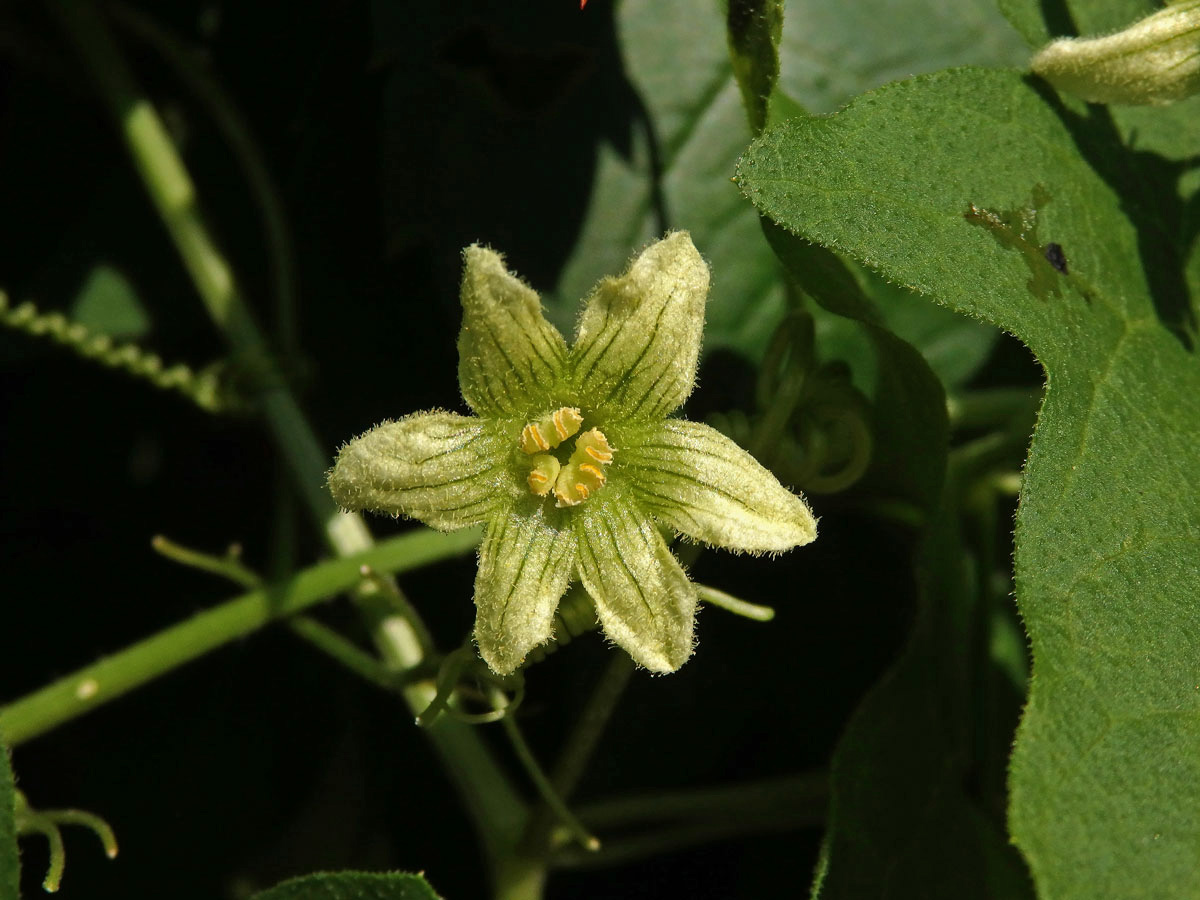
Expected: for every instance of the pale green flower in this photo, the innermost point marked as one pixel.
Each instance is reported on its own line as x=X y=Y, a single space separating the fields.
x=572 y=462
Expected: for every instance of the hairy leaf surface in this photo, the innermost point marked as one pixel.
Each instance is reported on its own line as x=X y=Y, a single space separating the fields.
x=351 y=886
x=991 y=196
x=675 y=174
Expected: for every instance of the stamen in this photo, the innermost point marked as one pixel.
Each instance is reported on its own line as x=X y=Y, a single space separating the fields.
x=566 y=422
x=550 y=431
x=532 y=440
x=544 y=474
x=581 y=476
x=593 y=471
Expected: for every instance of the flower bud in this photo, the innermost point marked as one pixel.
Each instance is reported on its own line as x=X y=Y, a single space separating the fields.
x=1155 y=60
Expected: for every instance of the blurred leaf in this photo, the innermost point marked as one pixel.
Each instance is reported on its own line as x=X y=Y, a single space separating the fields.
x=676 y=172
x=908 y=424
x=107 y=304
x=1038 y=21
x=351 y=886
x=834 y=51
x=956 y=185
x=10 y=863
x=901 y=822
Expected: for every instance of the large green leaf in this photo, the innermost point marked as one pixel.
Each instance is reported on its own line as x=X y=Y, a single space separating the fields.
x=902 y=822
x=978 y=189
x=10 y=864
x=676 y=171
x=351 y=886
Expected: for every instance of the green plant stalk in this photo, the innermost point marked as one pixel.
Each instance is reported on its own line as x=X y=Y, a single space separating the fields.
x=522 y=875
x=578 y=750
x=94 y=685
x=546 y=790
x=189 y=67
x=491 y=799
x=344 y=651
x=660 y=821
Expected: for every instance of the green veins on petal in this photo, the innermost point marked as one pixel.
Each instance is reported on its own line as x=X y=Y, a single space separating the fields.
x=705 y=486
x=644 y=599
x=510 y=358
x=638 y=341
x=443 y=469
x=572 y=462
x=525 y=564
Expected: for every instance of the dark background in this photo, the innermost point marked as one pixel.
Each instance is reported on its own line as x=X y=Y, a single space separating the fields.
x=397 y=133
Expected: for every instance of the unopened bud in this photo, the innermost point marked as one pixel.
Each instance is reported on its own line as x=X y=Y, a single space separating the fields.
x=1155 y=60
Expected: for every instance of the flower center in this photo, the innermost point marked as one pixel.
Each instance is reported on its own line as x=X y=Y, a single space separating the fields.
x=574 y=479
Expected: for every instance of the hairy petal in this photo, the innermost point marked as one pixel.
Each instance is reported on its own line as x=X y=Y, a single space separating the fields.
x=702 y=484
x=644 y=599
x=524 y=566
x=510 y=359
x=444 y=469
x=638 y=341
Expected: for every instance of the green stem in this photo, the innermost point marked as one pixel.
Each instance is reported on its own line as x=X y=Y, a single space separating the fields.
x=690 y=817
x=994 y=408
x=735 y=605
x=346 y=652
x=90 y=687
x=173 y=194
x=489 y=796
x=578 y=750
x=550 y=797
x=227 y=566
x=191 y=69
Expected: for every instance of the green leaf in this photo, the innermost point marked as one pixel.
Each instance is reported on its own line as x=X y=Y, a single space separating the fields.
x=108 y=304
x=956 y=185
x=832 y=52
x=675 y=172
x=10 y=863
x=902 y=822
x=351 y=886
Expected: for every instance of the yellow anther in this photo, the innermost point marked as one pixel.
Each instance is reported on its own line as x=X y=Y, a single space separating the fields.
x=550 y=431
x=532 y=440
x=543 y=474
x=592 y=446
x=595 y=472
x=566 y=422
x=583 y=473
